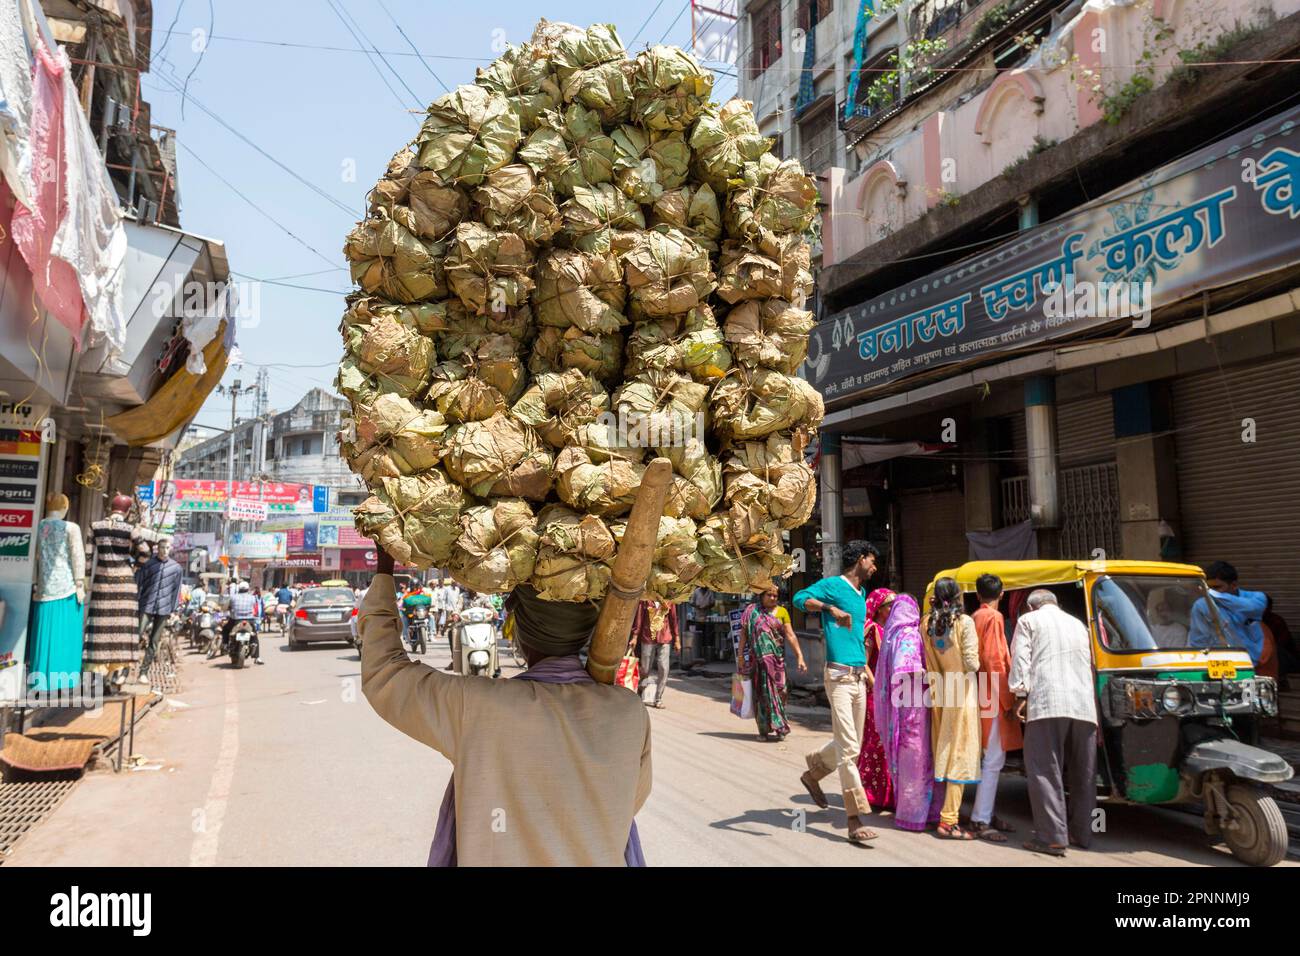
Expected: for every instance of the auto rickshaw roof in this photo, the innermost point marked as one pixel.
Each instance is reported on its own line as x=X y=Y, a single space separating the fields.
x=1024 y=574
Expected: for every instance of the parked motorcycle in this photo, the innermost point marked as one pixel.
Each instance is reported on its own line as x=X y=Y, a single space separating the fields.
x=243 y=643
x=209 y=630
x=474 y=642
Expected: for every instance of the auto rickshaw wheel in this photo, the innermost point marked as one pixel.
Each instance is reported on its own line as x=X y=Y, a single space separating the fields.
x=1257 y=833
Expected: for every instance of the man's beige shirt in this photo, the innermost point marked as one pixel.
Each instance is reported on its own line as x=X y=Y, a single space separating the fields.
x=545 y=774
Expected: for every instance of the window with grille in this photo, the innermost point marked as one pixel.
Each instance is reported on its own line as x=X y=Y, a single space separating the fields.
x=817 y=141
x=767 y=37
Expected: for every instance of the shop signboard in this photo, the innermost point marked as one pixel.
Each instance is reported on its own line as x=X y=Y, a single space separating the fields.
x=256 y=545
x=1218 y=216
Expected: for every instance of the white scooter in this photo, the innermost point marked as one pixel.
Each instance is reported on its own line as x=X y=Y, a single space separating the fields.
x=474 y=642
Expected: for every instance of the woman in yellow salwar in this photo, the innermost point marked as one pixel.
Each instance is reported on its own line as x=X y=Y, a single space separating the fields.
x=952 y=660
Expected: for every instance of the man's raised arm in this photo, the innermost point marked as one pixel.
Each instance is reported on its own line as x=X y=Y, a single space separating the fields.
x=413 y=697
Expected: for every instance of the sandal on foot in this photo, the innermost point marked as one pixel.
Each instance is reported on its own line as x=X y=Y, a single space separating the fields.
x=861 y=835
x=814 y=790
x=1047 y=849
x=1001 y=825
x=953 y=832
x=987 y=831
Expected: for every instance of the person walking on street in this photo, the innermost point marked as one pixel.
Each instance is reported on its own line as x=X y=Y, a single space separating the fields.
x=873 y=769
x=1051 y=671
x=841 y=602
x=952 y=660
x=159 y=582
x=655 y=627
x=999 y=728
x=525 y=752
x=765 y=629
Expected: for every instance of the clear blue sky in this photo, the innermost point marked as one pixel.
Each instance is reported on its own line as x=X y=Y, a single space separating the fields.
x=320 y=112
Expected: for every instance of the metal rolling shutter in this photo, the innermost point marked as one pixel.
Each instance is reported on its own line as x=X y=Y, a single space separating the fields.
x=933 y=536
x=1239 y=500
x=1085 y=431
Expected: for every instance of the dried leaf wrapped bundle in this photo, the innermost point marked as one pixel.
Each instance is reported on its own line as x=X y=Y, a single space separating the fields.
x=497 y=546
x=667 y=273
x=387 y=259
x=460 y=397
x=469 y=132
x=574 y=555
x=730 y=569
x=569 y=150
x=524 y=76
x=691 y=344
x=388 y=342
x=493 y=360
x=747 y=273
x=771 y=333
x=392 y=437
x=489 y=271
x=646 y=165
x=755 y=404
x=609 y=488
x=418 y=199
x=669 y=88
x=556 y=404
x=414 y=518
x=591 y=353
x=693 y=211
x=498 y=456
x=595 y=214
x=580 y=290
x=778 y=197
x=724 y=140
x=697 y=479
x=512 y=200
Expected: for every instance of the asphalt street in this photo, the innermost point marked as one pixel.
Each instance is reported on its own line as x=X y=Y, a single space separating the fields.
x=286 y=764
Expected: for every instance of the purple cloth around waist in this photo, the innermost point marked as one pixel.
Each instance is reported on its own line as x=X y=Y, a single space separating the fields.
x=549 y=670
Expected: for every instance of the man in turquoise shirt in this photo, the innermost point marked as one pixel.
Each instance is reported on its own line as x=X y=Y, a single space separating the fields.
x=842 y=603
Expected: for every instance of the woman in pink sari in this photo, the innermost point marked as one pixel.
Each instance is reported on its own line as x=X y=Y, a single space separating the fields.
x=871 y=759
x=902 y=718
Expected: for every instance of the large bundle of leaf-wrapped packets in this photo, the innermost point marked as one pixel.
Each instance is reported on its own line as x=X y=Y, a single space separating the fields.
x=582 y=263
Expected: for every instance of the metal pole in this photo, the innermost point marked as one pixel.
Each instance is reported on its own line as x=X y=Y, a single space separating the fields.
x=832 y=505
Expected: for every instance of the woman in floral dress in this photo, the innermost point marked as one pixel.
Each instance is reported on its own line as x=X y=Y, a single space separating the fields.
x=764 y=629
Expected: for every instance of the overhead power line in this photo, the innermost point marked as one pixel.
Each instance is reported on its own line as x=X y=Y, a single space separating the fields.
x=444 y=86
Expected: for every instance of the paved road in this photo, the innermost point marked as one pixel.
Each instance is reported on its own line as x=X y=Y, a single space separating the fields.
x=286 y=764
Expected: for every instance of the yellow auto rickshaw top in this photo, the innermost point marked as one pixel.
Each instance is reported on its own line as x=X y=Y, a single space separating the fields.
x=1023 y=574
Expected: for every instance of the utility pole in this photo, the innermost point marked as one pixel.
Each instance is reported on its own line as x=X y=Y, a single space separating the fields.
x=234 y=392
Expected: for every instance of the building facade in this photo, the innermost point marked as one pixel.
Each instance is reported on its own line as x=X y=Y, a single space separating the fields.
x=1059 y=284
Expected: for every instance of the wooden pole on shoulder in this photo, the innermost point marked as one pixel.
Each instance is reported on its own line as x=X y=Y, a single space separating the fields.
x=631 y=571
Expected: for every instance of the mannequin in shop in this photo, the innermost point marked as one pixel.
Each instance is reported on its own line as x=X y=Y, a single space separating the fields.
x=58 y=601
x=112 y=617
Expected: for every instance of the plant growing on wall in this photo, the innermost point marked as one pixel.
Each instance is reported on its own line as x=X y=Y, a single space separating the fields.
x=912 y=60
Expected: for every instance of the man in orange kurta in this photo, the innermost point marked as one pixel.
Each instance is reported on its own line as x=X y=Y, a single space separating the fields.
x=999 y=726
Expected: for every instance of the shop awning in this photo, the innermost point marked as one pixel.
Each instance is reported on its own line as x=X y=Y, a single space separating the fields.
x=176 y=402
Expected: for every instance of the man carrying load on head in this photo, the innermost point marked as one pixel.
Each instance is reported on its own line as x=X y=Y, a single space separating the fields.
x=549 y=768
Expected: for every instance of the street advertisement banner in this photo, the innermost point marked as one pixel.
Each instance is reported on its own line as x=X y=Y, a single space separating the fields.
x=195 y=494
x=189 y=540
x=22 y=464
x=1220 y=215
x=256 y=545
x=242 y=509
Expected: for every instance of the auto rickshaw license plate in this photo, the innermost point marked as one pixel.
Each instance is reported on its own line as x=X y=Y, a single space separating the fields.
x=1219 y=670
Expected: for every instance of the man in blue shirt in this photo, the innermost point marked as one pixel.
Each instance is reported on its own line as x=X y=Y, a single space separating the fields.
x=1240 y=612
x=842 y=603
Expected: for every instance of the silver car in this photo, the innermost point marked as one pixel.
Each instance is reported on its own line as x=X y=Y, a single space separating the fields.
x=322 y=615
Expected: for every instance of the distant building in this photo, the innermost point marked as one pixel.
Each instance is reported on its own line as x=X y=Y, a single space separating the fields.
x=297 y=445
